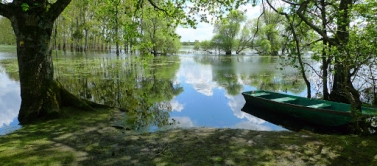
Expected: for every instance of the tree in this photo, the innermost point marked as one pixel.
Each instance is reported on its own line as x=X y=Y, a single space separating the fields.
x=111 y=12
x=32 y=22
x=158 y=31
x=205 y=45
x=196 y=45
x=267 y=29
x=245 y=38
x=345 y=47
x=295 y=36
x=343 y=89
x=161 y=37
x=227 y=30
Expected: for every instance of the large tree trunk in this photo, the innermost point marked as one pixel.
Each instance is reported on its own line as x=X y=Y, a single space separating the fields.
x=343 y=90
x=338 y=89
x=325 y=61
x=41 y=95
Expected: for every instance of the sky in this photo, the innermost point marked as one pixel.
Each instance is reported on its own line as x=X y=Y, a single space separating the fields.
x=204 y=31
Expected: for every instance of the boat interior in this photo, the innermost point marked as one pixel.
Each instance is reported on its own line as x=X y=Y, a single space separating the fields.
x=307 y=102
x=284 y=98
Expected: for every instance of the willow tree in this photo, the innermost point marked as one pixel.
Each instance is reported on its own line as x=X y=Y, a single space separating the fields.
x=267 y=32
x=227 y=30
x=157 y=33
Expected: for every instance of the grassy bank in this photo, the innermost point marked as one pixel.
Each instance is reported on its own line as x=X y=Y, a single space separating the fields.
x=88 y=139
x=8 y=48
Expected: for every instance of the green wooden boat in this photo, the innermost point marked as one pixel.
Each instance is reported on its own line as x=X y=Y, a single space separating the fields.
x=319 y=112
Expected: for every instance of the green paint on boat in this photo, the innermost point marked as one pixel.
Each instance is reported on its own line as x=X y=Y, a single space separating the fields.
x=316 y=111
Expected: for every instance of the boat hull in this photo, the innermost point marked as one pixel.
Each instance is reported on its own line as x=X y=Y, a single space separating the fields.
x=315 y=111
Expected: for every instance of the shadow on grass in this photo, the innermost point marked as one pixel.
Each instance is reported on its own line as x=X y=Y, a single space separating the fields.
x=89 y=139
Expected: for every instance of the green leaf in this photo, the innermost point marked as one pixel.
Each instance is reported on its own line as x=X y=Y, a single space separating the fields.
x=25 y=7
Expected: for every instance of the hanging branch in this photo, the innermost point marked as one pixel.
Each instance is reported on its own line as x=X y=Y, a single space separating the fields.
x=297 y=45
x=315 y=71
x=255 y=34
x=6 y=9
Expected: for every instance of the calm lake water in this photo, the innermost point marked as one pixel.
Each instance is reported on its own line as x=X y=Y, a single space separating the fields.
x=189 y=90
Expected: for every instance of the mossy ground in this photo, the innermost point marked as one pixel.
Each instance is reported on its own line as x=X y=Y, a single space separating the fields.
x=87 y=138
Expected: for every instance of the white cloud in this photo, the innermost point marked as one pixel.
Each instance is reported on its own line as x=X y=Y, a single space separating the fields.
x=176 y=106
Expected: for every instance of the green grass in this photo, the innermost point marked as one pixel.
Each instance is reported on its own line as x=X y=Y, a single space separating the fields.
x=8 y=48
x=87 y=138
x=44 y=143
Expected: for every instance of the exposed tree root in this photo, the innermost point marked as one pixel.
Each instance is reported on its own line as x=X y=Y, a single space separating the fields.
x=51 y=102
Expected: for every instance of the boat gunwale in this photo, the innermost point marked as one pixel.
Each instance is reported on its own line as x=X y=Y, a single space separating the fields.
x=322 y=110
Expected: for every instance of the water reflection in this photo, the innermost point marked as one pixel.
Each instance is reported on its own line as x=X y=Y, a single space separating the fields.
x=291 y=123
x=199 y=76
x=9 y=103
x=176 y=91
x=144 y=91
x=176 y=106
x=236 y=103
x=233 y=72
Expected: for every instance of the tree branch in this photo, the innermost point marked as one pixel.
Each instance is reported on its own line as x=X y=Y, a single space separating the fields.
x=311 y=25
x=291 y=3
x=6 y=9
x=155 y=6
x=274 y=9
x=308 y=44
x=57 y=8
x=314 y=70
x=255 y=34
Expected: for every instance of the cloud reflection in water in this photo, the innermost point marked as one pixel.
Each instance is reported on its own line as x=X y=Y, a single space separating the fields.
x=10 y=101
x=197 y=75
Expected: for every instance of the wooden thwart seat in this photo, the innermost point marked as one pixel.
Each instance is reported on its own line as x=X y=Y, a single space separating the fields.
x=259 y=94
x=284 y=99
x=321 y=105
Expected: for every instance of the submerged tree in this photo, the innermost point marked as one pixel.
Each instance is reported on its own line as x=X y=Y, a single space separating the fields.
x=267 y=29
x=157 y=33
x=227 y=30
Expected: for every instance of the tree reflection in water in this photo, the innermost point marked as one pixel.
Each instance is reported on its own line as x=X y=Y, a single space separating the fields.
x=142 y=86
x=229 y=73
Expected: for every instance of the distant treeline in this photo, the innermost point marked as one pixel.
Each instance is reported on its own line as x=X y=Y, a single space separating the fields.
x=104 y=25
x=188 y=43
